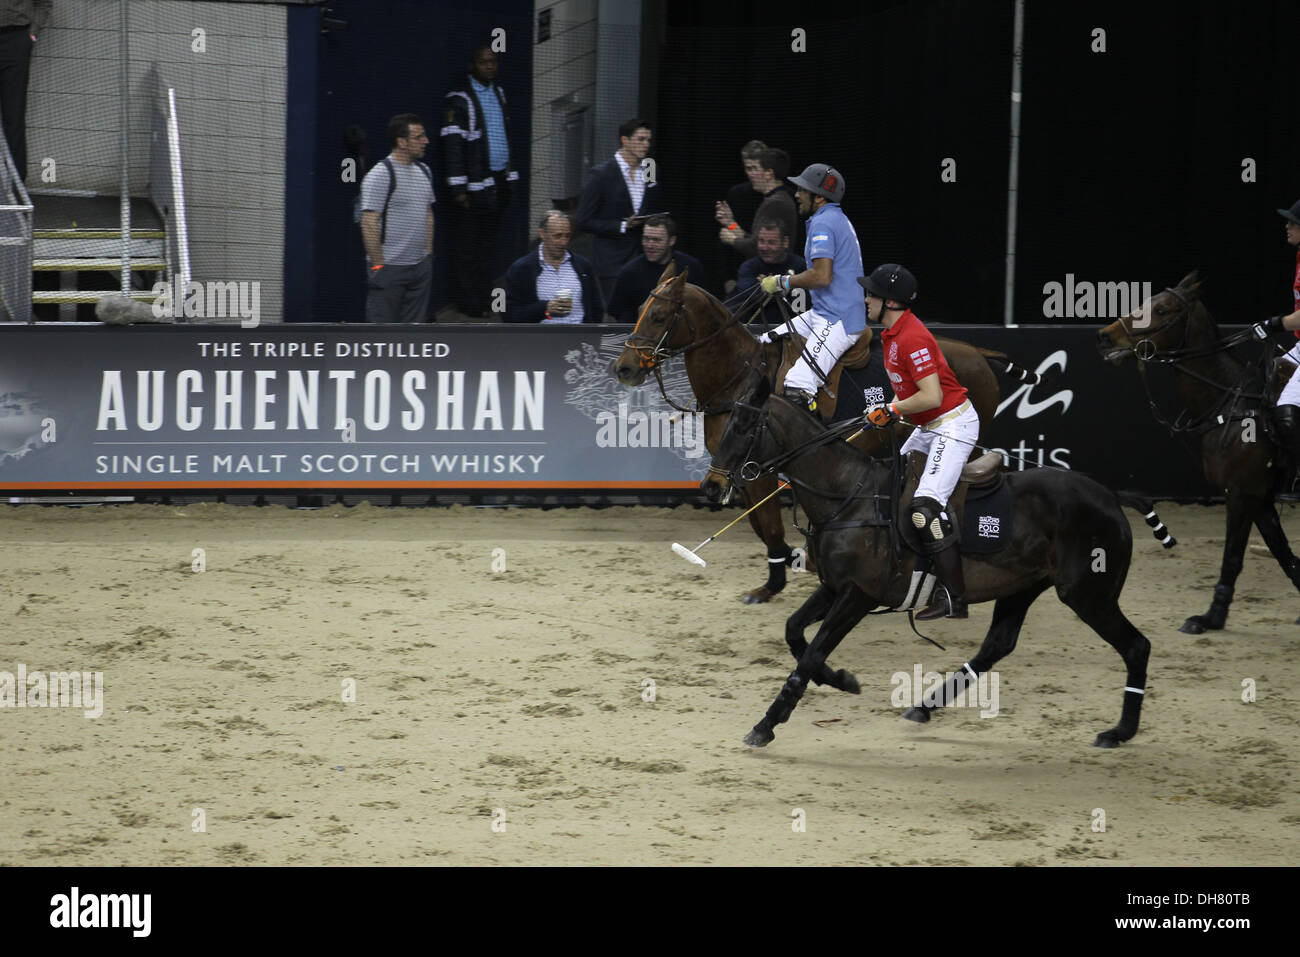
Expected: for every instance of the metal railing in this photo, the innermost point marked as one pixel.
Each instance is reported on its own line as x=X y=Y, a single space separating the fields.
x=15 y=242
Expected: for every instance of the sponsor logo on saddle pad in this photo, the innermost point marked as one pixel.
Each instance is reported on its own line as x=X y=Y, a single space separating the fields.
x=989 y=526
x=873 y=395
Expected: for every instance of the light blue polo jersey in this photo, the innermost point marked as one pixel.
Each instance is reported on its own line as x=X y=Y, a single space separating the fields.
x=831 y=236
x=495 y=124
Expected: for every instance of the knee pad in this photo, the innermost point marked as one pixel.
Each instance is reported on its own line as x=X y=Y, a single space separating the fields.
x=932 y=525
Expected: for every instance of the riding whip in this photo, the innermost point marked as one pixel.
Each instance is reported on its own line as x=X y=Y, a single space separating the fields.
x=689 y=553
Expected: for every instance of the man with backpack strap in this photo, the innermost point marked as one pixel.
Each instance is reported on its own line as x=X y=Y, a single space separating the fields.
x=397 y=227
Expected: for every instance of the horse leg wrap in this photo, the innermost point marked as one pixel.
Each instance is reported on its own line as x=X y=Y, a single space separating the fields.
x=952 y=688
x=785 y=702
x=1222 y=599
x=1132 y=712
x=777 y=559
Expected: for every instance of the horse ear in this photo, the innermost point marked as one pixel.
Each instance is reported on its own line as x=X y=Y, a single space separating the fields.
x=1191 y=283
x=761 y=391
x=669 y=271
x=684 y=274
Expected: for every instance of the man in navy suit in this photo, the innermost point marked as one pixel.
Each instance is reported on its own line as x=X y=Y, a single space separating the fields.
x=617 y=200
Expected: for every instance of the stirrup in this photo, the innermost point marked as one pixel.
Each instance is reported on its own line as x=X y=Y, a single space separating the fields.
x=801 y=398
x=943 y=605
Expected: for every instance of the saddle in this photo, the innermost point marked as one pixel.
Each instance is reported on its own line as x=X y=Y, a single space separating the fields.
x=857 y=357
x=987 y=527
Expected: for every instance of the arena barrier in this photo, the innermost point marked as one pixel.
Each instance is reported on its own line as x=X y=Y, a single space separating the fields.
x=408 y=409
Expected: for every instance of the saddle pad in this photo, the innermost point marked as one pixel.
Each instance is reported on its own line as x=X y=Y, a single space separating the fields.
x=986 y=519
x=863 y=387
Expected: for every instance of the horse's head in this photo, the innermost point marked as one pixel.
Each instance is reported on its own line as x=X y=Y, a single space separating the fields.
x=745 y=441
x=1158 y=325
x=660 y=330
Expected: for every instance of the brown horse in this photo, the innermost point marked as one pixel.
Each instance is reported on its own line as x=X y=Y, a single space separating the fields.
x=1223 y=412
x=722 y=361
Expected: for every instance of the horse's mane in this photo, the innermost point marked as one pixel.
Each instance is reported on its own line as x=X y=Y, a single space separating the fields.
x=798 y=416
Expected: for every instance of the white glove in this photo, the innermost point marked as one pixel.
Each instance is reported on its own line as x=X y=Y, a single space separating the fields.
x=765 y=338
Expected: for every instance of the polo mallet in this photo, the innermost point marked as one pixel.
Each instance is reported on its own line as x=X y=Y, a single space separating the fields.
x=689 y=553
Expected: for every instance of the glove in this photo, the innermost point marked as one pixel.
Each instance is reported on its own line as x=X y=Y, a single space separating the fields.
x=765 y=338
x=882 y=415
x=774 y=284
x=1266 y=328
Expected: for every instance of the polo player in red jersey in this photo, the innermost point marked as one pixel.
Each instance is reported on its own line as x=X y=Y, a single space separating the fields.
x=928 y=394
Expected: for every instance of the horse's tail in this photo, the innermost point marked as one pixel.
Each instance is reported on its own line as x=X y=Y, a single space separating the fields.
x=1002 y=362
x=1158 y=530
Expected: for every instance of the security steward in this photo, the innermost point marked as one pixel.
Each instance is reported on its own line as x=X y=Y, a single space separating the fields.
x=928 y=394
x=837 y=317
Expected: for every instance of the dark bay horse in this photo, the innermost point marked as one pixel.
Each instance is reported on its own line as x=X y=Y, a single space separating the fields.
x=722 y=358
x=1223 y=413
x=1068 y=531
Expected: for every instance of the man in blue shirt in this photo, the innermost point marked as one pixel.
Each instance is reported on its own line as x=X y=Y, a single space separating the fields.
x=838 y=314
x=480 y=174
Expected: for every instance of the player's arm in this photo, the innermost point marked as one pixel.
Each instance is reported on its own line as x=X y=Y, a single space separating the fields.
x=818 y=277
x=928 y=395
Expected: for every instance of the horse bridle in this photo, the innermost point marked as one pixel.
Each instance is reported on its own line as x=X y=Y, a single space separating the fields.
x=650 y=354
x=1146 y=350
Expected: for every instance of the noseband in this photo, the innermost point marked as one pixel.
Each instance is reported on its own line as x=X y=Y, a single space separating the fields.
x=649 y=353
x=1145 y=348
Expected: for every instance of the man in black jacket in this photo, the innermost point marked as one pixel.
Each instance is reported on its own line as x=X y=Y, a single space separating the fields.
x=553 y=285
x=638 y=278
x=480 y=173
x=617 y=200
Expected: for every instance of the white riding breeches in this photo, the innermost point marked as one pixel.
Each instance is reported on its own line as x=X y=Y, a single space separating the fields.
x=825 y=341
x=947 y=444
x=1291 y=391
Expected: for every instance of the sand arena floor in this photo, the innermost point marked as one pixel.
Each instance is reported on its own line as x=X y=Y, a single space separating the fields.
x=516 y=697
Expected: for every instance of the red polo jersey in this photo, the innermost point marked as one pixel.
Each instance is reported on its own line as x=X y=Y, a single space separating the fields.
x=1295 y=289
x=911 y=354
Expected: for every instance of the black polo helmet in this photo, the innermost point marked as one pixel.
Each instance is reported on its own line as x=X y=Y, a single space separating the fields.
x=1292 y=215
x=890 y=281
x=821 y=179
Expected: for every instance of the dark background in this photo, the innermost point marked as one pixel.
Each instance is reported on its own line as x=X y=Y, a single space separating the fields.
x=1130 y=160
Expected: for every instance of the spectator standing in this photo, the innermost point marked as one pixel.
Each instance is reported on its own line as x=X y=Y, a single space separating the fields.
x=536 y=284
x=774 y=259
x=397 y=226
x=638 y=278
x=21 y=22
x=477 y=162
x=743 y=199
x=778 y=204
x=617 y=200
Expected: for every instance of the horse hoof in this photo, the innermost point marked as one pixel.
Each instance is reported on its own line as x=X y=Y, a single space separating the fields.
x=1107 y=739
x=759 y=737
x=1193 y=626
x=847 y=681
x=757 y=597
x=919 y=715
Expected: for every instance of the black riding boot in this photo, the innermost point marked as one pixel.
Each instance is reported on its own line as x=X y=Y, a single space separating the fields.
x=802 y=399
x=1286 y=420
x=950 y=600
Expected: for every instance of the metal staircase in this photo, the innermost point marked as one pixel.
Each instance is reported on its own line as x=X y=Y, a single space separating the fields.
x=77 y=239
